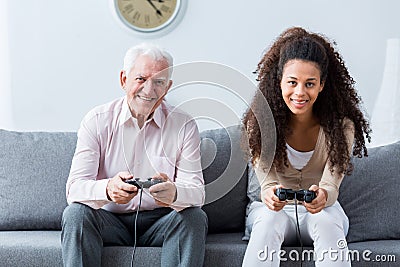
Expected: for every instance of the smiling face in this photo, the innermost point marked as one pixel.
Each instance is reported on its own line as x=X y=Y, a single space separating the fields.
x=301 y=83
x=146 y=85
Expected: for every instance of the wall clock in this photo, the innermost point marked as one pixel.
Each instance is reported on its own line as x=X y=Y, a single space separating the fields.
x=149 y=17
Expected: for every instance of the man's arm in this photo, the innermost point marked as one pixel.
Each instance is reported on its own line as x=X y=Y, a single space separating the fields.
x=188 y=181
x=82 y=185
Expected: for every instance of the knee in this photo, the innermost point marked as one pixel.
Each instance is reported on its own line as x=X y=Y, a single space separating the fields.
x=193 y=218
x=269 y=223
x=268 y=227
x=75 y=213
x=267 y=218
x=323 y=222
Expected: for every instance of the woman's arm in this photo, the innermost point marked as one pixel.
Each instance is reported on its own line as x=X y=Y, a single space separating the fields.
x=331 y=181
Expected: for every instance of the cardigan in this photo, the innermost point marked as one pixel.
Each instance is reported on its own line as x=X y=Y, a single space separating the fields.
x=316 y=171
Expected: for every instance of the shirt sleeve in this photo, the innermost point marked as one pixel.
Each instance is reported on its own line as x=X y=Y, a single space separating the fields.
x=331 y=181
x=189 y=180
x=82 y=184
x=266 y=180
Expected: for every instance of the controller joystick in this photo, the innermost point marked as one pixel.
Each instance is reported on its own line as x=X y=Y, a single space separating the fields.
x=301 y=195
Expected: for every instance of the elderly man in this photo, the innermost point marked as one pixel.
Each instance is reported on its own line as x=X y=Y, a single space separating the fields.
x=136 y=136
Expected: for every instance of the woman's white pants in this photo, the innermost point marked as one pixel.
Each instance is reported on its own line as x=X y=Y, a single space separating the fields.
x=325 y=230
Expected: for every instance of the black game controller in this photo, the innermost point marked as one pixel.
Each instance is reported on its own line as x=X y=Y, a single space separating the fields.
x=301 y=195
x=143 y=184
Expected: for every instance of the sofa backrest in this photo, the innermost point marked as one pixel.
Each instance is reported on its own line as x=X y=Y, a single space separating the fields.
x=34 y=167
x=370 y=195
x=225 y=175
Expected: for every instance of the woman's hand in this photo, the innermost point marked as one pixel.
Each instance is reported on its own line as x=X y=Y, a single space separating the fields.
x=272 y=201
x=319 y=202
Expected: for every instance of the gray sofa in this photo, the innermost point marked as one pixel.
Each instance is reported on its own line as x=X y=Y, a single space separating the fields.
x=34 y=167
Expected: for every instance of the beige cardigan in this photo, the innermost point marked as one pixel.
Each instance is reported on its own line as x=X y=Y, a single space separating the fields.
x=315 y=172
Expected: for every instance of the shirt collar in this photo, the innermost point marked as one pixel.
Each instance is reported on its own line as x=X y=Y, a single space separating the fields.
x=125 y=112
x=158 y=115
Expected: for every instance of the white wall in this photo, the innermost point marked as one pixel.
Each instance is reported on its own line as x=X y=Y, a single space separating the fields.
x=6 y=120
x=65 y=56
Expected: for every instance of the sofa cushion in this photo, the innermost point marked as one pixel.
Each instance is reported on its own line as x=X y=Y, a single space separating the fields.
x=225 y=175
x=34 y=168
x=30 y=248
x=370 y=195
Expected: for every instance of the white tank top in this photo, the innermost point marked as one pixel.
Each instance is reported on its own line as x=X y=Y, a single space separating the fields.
x=296 y=158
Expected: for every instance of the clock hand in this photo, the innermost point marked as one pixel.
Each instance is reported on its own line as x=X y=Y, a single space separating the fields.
x=160 y=1
x=156 y=9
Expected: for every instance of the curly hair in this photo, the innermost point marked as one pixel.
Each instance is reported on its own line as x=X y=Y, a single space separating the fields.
x=338 y=100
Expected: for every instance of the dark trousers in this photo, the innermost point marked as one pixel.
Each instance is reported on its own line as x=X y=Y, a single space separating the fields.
x=180 y=234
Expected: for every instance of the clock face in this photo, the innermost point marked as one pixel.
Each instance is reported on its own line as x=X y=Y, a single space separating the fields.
x=147 y=15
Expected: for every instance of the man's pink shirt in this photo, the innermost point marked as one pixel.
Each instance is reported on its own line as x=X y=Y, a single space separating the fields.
x=110 y=141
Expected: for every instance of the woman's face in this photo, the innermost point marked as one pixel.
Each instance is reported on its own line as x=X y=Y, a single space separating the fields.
x=301 y=83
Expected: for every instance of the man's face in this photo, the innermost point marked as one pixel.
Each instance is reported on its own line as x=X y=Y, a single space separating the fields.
x=145 y=85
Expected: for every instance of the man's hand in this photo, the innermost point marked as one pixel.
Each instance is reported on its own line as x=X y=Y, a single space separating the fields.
x=163 y=193
x=272 y=201
x=120 y=192
x=319 y=202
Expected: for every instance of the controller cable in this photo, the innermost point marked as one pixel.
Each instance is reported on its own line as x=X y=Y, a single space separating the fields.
x=140 y=200
x=298 y=229
x=136 y=216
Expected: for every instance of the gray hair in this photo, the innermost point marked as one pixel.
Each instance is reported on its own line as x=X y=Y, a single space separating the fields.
x=155 y=52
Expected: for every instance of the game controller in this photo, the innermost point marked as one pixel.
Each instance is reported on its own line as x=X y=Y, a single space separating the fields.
x=301 y=195
x=143 y=184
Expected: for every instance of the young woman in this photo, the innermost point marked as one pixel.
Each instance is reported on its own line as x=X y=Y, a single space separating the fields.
x=318 y=123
